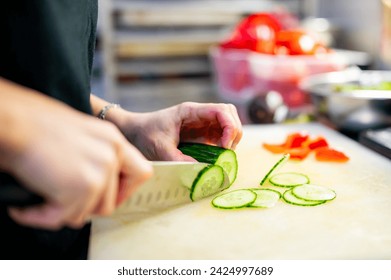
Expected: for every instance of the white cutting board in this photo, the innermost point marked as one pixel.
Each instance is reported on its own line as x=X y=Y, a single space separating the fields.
x=356 y=225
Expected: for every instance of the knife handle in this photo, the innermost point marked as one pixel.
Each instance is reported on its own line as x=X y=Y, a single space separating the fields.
x=12 y=193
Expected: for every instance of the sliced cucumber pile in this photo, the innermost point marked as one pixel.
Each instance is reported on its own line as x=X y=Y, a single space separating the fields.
x=299 y=192
x=289 y=179
x=308 y=195
x=278 y=164
x=225 y=158
x=289 y=197
x=257 y=198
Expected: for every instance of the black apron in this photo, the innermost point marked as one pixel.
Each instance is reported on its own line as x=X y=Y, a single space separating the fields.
x=47 y=45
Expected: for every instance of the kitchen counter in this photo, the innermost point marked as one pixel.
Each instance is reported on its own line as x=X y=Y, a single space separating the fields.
x=356 y=225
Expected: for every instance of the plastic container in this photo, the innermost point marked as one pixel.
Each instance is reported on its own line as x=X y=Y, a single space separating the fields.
x=231 y=69
x=242 y=74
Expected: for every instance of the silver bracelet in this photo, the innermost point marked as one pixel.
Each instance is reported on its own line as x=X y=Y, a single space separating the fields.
x=103 y=112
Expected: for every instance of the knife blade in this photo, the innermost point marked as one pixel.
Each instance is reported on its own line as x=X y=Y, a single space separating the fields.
x=169 y=186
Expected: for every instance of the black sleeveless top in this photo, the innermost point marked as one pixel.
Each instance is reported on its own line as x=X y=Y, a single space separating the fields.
x=47 y=45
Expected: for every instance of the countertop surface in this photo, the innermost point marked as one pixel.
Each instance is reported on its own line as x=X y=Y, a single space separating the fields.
x=356 y=225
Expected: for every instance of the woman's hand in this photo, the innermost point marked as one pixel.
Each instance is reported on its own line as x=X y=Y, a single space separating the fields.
x=81 y=165
x=157 y=134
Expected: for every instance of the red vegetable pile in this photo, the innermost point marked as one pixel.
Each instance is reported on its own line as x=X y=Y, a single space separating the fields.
x=273 y=33
x=299 y=145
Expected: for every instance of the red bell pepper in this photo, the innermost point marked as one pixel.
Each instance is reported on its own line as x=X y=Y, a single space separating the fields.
x=296 y=139
x=298 y=153
x=275 y=149
x=330 y=155
x=299 y=145
x=316 y=143
x=293 y=140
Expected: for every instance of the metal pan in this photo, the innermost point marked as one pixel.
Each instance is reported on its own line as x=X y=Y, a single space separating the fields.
x=353 y=110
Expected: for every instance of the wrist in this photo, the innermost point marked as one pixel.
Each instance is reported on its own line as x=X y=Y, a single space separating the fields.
x=105 y=110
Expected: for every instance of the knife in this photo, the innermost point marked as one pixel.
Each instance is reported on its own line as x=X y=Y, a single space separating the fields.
x=170 y=185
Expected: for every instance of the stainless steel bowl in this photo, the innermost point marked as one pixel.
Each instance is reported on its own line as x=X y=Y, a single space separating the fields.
x=353 y=110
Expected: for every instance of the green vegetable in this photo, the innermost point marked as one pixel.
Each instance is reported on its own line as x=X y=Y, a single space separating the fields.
x=384 y=85
x=234 y=199
x=225 y=158
x=313 y=192
x=266 y=198
x=290 y=198
x=289 y=179
x=278 y=164
x=209 y=181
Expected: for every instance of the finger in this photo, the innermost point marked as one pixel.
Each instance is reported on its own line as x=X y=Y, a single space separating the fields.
x=123 y=186
x=108 y=197
x=216 y=116
x=48 y=216
x=135 y=170
x=230 y=124
x=239 y=128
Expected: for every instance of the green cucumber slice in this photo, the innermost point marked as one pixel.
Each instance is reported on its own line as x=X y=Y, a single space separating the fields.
x=290 y=198
x=311 y=192
x=289 y=179
x=234 y=199
x=225 y=158
x=209 y=181
x=266 y=198
x=278 y=164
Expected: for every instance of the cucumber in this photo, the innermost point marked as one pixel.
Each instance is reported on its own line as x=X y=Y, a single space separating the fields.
x=235 y=199
x=266 y=198
x=289 y=179
x=209 y=181
x=225 y=158
x=278 y=164
x=290 y=198
x=313 y=192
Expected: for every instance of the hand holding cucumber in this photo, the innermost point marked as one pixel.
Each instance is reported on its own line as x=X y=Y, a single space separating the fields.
x=157 y=134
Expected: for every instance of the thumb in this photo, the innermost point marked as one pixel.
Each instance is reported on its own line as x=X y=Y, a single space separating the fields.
x=172 y=153
x=47 y=216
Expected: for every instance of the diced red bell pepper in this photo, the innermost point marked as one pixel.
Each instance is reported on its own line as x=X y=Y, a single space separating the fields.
x=330 y=155
x=295 y=140
x=316 y=143
x=298 y=153
x=276 y=149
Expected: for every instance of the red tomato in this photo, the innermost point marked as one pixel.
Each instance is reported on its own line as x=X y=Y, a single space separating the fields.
x=295 y=42
x=261 y=29
x=257 y=32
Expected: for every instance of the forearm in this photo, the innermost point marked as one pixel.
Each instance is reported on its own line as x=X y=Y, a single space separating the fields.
x=118 y=116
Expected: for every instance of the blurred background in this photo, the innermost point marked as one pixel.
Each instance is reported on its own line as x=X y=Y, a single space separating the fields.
x=156 y=53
